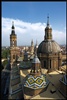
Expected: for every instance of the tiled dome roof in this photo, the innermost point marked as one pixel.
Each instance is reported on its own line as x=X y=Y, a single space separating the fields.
x=36 y=82
x=48 y=47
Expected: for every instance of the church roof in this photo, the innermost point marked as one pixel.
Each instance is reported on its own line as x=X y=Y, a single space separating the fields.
x=36 y=82
x=49 y=46
x=35 y=60
x=64 y=79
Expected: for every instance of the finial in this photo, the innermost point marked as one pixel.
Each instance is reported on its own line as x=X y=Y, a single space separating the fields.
x=48 y=20
x=12 y=23
x=36 y=41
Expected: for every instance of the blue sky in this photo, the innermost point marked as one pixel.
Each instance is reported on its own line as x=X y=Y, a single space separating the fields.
x=34 y=12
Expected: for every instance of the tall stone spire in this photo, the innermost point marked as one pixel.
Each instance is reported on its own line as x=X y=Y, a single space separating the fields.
x=13 y=25
x=36 y=46
x=13 y=37
x=13 y=28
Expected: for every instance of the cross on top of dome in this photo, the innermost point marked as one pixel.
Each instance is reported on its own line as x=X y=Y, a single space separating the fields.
x=48 y=21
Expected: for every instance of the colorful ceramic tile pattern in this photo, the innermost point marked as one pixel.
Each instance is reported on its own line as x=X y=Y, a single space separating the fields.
x=36 y=82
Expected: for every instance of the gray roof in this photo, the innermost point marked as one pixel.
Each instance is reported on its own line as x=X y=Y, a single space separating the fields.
x=48 y=47
x=64 y=79
x=35 y=59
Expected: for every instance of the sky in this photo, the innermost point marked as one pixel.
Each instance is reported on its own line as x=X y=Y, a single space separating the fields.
x=30 y=19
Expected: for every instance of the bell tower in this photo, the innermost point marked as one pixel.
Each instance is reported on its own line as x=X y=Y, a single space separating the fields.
x=13 y=37
x=48 y=31
x=14 y=50
x=32 y=47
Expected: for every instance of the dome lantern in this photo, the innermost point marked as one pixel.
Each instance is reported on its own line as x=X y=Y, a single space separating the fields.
x=47 y=21
x=13 y=25
x=48 y=31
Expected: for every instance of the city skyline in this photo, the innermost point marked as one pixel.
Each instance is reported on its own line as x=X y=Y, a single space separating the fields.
x=30 y=19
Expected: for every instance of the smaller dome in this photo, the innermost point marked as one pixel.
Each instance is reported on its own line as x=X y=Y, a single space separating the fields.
x=35 y=59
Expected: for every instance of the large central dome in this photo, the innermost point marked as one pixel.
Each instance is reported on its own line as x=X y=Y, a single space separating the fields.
x=48 y=47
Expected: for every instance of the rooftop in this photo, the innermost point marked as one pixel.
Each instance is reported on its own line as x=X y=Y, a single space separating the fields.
x=53 y=77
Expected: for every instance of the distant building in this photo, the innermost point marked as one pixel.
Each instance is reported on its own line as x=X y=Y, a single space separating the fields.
x=36 y=47
x=49 y=52
x=32 y=48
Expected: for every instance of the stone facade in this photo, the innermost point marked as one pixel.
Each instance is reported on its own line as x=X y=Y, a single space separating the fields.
x=14 y=53
x=50 y=61
x=33 y=92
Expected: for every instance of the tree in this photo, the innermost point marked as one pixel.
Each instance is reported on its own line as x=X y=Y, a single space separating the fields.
x=5 y=52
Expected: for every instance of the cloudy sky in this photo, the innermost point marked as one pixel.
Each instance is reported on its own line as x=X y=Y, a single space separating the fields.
x=30 y=20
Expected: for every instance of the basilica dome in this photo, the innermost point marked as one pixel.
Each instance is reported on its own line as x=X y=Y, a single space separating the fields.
x=49 y=46
x=49 y=51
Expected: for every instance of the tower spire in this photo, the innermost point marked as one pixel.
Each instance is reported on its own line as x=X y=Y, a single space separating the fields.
x=13 y=25
x=48 y=20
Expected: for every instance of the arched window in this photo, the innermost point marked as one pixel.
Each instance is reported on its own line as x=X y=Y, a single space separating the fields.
x=50 y=63
x=45 y=65
x=13 y=56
